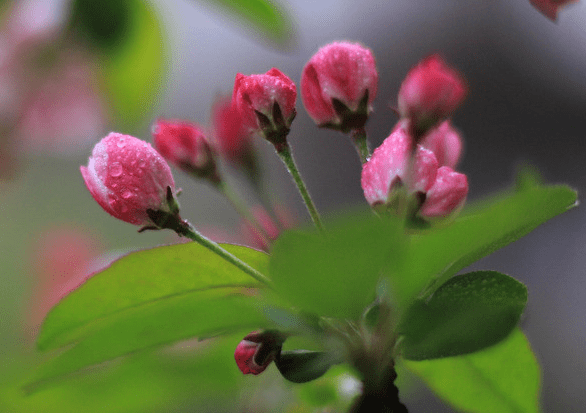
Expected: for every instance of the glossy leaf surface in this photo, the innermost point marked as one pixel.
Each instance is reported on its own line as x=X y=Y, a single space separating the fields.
x=466 y=314
x=146 y=278
x=441 y=253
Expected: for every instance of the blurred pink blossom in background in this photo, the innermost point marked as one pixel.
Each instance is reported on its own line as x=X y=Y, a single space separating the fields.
x=62 y=257
x=49 y=101
x=550 y=8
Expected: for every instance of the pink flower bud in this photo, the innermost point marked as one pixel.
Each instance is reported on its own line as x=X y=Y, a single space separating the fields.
x=127 y=177
x=446 y=196
x=445 y=143
x=183 y=144
x=231 y=138
x=256 y=351
x=430 y=92
x=264 y=231
x=266 y=103
x=339 y=84
x=432 y=193
x=386 y=170
x=550 y=8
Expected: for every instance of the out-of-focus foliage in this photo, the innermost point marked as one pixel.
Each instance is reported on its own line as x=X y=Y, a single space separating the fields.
x=267 y=18
x=504 y=378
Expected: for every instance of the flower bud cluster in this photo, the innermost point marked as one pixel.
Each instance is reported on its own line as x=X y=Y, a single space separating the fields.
x=396 y=172
x=412 y=172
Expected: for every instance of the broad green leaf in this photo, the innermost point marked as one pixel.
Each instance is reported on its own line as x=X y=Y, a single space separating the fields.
x=466 y=314
x=133 y=72
x=504 y=378
x=195 y=314
x=264 y=16
x=440 y=253
x=147 y=281
x=335 y=274
x=166 y=380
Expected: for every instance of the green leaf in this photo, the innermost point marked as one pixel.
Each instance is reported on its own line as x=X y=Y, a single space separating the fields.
x=166 y=380
x=335 y=274
x=264 y=16
x=151 y=281
x=500 y=379
x=196 y=314
x=301 y=366
x=132 y=73
x=466 y=314
x=440 y=253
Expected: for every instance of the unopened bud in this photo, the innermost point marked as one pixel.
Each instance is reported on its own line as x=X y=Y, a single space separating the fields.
x=339 y=84
x=128 y=178
x=266 y=103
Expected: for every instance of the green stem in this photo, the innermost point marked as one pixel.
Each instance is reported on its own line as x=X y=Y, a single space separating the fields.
x=187 y=230
x=361 y=144
x=243 y=210
x=284 y=152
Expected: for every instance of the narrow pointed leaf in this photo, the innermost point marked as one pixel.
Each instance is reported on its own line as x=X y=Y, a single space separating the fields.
x=501 y=379
x=466 y=314
x=145 y=281
x=264 y=16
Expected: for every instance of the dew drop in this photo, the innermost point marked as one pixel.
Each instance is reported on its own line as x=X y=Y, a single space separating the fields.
x=115 y=169
x=123 y=208
x=142 y=163
x=121 y=143
x=127 y=194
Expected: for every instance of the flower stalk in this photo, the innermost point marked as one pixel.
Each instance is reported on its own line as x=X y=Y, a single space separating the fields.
x=185 y=229
x=284 y=152
x=361 y=144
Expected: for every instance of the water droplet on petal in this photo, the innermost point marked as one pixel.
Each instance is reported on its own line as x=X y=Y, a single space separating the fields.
x=142 y=163
x=127 y=194
x=123 y=208
x=115 y=169
x=121 y=143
